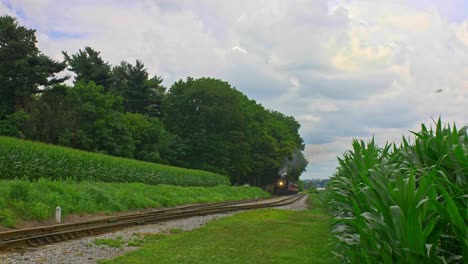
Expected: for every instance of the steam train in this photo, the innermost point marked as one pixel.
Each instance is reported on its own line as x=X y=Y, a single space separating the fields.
x=282 y=186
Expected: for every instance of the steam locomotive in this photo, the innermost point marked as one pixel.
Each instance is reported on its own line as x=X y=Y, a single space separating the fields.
x=282 y=186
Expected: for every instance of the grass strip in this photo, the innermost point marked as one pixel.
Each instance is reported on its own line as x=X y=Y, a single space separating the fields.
x=24 y=200
x=260 y=236
x=113 y=243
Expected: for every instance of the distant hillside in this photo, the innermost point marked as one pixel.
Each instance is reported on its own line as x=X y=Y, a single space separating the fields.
x=317 y=183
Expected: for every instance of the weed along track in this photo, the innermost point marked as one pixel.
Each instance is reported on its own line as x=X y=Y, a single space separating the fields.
x=39 y=236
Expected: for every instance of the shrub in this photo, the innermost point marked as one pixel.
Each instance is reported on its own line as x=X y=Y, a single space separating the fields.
x=7 y=218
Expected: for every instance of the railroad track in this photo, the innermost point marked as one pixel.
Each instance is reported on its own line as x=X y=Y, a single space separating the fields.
x=39 y=236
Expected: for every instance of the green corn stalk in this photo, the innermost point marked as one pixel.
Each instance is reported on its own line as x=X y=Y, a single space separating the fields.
x=403 y=204
x=20 y=159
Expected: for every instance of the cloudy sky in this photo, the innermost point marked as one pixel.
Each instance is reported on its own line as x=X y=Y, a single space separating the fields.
x=343 y=68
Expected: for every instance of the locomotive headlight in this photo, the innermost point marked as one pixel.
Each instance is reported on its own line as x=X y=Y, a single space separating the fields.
x=281 y=183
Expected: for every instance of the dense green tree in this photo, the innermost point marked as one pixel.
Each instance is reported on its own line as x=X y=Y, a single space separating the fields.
x=87 y=117
x=288 y=144
x=275 y=144
x=23 y=68
x=100 y=122
x=141 y=94
x=88 y=66
x=207 y=114
x=52 y=115
x=152 y=142
x=13 y=124
x=226 y=132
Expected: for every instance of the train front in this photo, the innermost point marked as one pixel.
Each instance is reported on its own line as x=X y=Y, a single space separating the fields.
x=281 y=187
x=285 y=186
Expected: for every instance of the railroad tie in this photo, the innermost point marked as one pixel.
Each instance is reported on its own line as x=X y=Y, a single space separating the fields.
x=35 y=242
x=63 y=237
x=56 y=238
x=31 y=243
x=42 y=241
x=49 y=239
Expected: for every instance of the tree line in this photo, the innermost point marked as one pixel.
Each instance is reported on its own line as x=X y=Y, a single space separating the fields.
x=122 y=110
x=315 y=183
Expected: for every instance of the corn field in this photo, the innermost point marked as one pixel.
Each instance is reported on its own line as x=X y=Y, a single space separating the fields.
x=403 y=204
x=26 y=160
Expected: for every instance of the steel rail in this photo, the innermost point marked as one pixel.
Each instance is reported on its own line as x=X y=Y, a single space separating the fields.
x=60 y=227
x=57 y=233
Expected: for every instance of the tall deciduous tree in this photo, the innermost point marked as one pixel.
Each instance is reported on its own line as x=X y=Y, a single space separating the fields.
x=226 y=132
x=88 y=66
x=23 y=68
x=101 y=124
x=207 y=114
x=87 y=117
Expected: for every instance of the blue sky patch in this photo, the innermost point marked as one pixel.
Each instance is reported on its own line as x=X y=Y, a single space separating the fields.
x=57 y=34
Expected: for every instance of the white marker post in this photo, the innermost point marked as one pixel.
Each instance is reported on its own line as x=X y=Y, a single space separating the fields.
x=58 y=214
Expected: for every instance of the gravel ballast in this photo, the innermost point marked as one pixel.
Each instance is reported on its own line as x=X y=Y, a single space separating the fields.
x=85 y=251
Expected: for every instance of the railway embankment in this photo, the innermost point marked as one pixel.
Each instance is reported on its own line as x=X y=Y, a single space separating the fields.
x=26 y=204
x=111 y=245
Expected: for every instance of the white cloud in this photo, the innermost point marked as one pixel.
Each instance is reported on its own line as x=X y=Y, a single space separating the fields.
x=461 y=31
x=239 y=49
x=418 y=22
x=309 y=118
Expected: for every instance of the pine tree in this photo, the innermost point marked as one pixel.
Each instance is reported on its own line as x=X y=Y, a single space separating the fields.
x=24 y=70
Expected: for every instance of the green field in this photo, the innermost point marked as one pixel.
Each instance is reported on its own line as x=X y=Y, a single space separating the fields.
x=261 y=236
x=24 y=200
x=21 y=159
